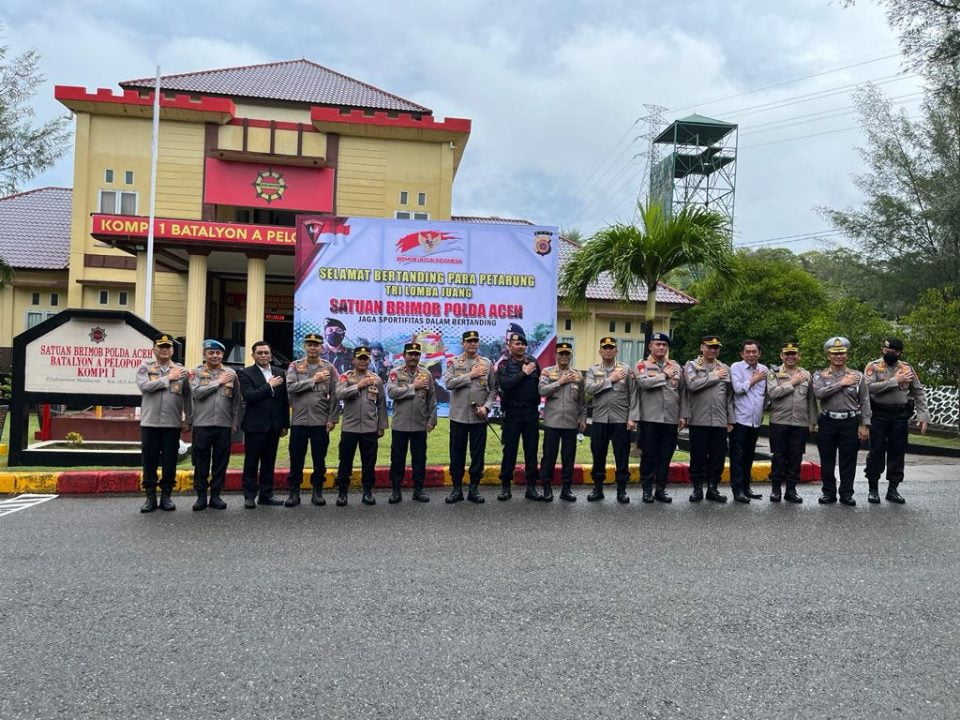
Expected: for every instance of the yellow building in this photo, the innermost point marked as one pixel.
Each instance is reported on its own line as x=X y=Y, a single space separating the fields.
x=241 y=152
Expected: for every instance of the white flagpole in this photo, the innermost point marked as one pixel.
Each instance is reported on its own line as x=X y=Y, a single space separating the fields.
x=148 y=291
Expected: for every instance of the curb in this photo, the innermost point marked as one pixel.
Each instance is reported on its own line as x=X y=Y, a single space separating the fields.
x=95 y=482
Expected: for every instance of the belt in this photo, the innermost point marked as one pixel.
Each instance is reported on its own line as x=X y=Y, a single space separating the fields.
x=839 y=415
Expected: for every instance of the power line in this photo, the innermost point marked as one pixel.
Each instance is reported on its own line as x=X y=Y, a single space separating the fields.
x=785 y=82
x=807 y=119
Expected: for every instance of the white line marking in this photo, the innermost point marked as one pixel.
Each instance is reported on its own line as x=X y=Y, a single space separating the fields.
x=22 y=502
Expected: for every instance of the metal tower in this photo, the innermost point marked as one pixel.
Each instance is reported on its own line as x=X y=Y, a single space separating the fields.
x=699 y=166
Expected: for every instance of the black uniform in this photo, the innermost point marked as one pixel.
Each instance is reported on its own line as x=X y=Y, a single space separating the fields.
x=520 y=402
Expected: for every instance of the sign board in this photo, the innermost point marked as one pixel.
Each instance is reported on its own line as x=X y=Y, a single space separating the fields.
x=87 y=356
x=396 y=281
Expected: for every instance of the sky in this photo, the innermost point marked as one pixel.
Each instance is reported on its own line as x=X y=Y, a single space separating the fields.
x=557 y=91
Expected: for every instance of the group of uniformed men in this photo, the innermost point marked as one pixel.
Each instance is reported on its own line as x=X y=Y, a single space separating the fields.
x=719 y=405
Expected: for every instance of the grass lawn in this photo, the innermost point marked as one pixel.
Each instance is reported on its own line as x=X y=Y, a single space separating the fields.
x=438 y=450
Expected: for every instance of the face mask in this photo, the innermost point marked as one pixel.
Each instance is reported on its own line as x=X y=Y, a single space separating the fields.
x=890 y=358
x=335 y=338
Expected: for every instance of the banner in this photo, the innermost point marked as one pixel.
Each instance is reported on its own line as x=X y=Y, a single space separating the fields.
x=280 y=187
x=383 y=283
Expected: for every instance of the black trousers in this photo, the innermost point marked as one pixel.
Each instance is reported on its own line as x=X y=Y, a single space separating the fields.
x=708 y=449
x=658 y=442
x=349 y=441
x=159 y=447
x=460 y=433
x=210 y=442
x=787 y=443
x=888 y=445
x=513 y=432
x=319 y=440
x=837 y=443
x=417 y=441
x=601 y=436
x=259 y=461
x=563 y=440
x=743 y=448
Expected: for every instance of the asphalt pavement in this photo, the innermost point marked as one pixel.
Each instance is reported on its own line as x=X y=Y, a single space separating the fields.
x=505 y=610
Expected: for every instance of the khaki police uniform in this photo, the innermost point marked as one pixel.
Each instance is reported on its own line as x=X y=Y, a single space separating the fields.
x=364 y=420
x=414 y=412
x=314 y=405
x=793 y=411
x=216 y=415
x=165 y=406
x=842 y=410
x=892 y=404
x=466 y=394
x=564 y=414
x=614 y=404
x=708 y=409
x=660 y=388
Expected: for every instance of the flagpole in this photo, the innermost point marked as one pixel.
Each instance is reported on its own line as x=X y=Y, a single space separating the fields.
x=148 y=291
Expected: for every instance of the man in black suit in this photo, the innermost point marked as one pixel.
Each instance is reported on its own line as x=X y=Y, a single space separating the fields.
x=265 y=420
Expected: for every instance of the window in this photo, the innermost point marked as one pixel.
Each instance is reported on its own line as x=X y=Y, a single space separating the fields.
x=421 y=199
x=108 y=176
x=613 y=326
x=128 y=177
x=407 y=215
x=35 y=318
x=109 y=200
x=104 y=297
x=628 y=351
x=54 y=299
x=122 y=297
x=35 y=299
x=568 y=324
x=626 y=327
x=403 y=197
x=421 y=216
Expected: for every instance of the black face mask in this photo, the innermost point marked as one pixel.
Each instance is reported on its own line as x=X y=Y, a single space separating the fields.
x=335 y=338
x=891 y=358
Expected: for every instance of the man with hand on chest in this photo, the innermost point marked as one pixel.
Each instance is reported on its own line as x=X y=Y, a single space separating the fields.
x=364 y=423
x=518 y=377
x=414 y=396
x=216 y=416
x=564 y=415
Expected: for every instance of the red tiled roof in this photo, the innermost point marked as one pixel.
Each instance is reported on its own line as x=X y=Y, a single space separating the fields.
x=602 y=289
x=35 y=228
x=301 y=81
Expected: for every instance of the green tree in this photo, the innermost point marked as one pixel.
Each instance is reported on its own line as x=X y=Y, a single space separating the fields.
x=774 y=299
x=909 y=226
x=929 y=30
x=6 y=272
x=861 y=324
x=935 y=336
x=637 y=258
x=26 y=148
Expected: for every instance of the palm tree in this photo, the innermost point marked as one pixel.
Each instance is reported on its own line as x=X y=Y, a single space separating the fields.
x=644 y=254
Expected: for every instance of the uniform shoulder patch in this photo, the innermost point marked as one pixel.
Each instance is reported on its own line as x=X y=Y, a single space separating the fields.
x=393 y=375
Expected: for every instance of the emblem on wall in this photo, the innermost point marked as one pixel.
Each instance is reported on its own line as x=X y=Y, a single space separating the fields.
x=541 y=242
x=270 y=185
x=98 y=334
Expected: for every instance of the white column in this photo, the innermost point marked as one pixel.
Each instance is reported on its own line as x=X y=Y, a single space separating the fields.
x=196 y=308
x=256 y=298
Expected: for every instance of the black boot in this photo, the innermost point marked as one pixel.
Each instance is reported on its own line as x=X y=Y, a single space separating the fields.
x=505 y=492
x=738 y=496
x=791 y=496
x=892 y=494
x=597 y=493
x=367 y=498
x=456 y=493
x=751 y=494
x=715 y=495
x=566 y=494
x=395 y=496
x=293 y=497
x=342 y=494
x=647 y=495
x=474 y=495
x=697 y=494
x=165 y=502
x=216 y=502
x=775 y=493
x=622 y=496
x=873 y=492
x=419 y=495
x=532 y=493
x=547 y=492
x=316 y=497
x=661 y=495
x=201 y=501
x=150 y=504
